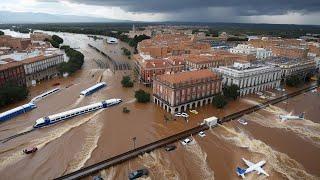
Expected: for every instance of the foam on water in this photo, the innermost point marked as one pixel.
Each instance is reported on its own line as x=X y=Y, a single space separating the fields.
x=200 y=157
x=130 y=101
x=249 y=101
x=108 y=174
x=304 y=128
x=93 y=130
x=159 y=165
x=53 y=134
x=278 y=161
x=78 y=101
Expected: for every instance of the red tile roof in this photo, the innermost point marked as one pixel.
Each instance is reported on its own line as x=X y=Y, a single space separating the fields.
x=187 y=76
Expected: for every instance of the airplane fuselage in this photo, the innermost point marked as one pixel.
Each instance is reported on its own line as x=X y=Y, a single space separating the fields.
x=255 y=166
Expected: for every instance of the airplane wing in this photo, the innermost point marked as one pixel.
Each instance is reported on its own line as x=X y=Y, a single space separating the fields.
x=248 y=163
x=261 y=171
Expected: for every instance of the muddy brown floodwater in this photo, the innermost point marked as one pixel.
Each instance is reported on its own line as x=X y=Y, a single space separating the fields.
x=88 y=139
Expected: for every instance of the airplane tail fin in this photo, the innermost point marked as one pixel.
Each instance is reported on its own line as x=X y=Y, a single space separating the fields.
x=301 y=115
x=240 y=172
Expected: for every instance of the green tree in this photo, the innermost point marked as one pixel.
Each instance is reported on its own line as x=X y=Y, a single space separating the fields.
x=57 y=39
x=126 y=52
x=76 y=60
x=219 y=101
x=231 y=92
x=10 y=93
x=65 y=47
x=126 y=81
x=142 y=96
x=294 y=81
x=54 y=43
x=1 y=33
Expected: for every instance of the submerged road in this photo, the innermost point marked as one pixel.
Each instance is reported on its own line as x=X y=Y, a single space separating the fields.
x=161 y=143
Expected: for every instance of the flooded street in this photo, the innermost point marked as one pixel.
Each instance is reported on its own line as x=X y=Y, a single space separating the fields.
x=291 y=149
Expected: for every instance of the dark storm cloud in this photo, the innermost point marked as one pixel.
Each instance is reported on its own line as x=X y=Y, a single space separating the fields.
x=239 y=7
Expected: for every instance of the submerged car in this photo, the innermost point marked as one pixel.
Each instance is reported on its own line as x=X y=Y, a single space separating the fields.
x=138 y=173
x=202 y=134
x=97 y=177
x=177 y=114
x=184 y=115
x=186 y=141
x=30 y=150
x=242 y=121
x=170 y=147
x=194 y=111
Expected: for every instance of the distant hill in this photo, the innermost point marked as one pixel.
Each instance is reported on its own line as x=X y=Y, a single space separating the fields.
x=7 y=17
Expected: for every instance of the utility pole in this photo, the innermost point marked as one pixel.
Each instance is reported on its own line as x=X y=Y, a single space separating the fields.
x=134 y=142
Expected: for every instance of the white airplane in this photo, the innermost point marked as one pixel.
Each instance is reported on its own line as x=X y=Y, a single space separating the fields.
x=252 y=167
x=291 y=117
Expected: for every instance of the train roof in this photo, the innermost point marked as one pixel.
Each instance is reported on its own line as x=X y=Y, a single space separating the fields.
x=40 y=95
x=93 y=87
x=16 y=109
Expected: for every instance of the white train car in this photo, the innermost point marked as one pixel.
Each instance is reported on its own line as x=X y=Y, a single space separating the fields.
x=93 y=89
x=16 y=111
x=43 y=95
x=52 y=119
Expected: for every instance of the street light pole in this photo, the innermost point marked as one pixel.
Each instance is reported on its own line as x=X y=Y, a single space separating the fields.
x=134 y=142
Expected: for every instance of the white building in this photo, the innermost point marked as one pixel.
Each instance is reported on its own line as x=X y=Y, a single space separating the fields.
x=41 y=67
x=260 y=53
x=250 y=78
x=290 y=67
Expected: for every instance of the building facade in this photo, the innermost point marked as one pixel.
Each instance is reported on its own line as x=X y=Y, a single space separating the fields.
x=147 y=70
x=39 y=36
x=180 y=91
x=14 y=43
x=250 y=78
x=297 y=66
x=259 y=53
x=12 y=72
x=41 y=67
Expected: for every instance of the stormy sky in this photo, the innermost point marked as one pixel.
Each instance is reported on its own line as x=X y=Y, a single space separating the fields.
x=243 y=11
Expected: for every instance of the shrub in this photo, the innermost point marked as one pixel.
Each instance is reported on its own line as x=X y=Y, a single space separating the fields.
x=142 y=96
x=125 y=110
x=294 y=81
x=231 y=91
x=219 y=101
x=10 y=93
x=126 y=81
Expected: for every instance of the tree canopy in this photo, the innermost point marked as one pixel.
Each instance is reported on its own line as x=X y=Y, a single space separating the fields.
x=231 y=92
x=126 y=81
x=57 y=39
x=142 y=96
x=1 y=33
x=219 y=101
x=294 y=81
x=76 y=60
x=10 y=93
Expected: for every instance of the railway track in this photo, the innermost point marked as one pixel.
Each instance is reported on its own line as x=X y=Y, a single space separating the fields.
x=84 y=172
x=116 y=66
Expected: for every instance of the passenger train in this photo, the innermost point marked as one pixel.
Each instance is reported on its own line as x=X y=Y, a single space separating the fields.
x=45 y=121
x=43 y=95
x=92 y=89
x=16 y=111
